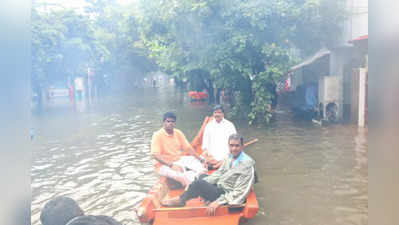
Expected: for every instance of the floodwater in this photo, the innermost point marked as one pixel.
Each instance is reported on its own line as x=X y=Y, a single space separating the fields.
x=98 y=154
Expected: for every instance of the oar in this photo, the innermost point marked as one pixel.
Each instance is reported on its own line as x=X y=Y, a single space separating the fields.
x=250 y=142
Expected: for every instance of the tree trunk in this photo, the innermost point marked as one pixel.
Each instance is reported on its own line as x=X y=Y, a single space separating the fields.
x=39 y=98
x=211 y=91
x=218 y=90
x=178 y=82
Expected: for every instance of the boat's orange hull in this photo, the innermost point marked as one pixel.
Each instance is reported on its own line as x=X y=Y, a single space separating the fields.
x=194 y=213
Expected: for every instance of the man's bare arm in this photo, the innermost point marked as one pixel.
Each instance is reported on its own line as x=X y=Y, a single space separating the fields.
x=166 y=162
x=192 y=152
x=162 y=159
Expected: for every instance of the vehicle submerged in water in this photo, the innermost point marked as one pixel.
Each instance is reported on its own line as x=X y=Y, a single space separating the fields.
x=198 y=96
x=151 y=211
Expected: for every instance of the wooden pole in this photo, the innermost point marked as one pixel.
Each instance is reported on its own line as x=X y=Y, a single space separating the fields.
x=250 y=142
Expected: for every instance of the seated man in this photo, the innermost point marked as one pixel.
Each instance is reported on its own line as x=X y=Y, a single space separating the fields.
x=66 y=211
x=93 y=220
x=169 y=147
x=215 y=138
x=230 y=184
x=59 y=211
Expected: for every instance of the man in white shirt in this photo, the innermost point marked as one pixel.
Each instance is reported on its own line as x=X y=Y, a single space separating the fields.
x=215 y=138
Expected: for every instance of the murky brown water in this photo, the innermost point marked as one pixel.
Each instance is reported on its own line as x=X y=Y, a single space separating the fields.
x=98 y=154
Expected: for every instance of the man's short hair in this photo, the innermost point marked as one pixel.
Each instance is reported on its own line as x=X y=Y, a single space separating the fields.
x=59 y=211
x=217 y=107
x=169 y=115
x=236 y=137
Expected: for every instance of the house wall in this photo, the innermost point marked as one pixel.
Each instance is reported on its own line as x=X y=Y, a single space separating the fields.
x=362 y=97
x=311 y=73
x=356 y=25
x=296 y=79
x=353 y=28
x=329 y=92
x=359 y=96
x=344 y=57
x=340 y=58
x=359 y=21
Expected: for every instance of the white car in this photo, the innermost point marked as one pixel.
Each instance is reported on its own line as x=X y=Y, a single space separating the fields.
x=58 y=90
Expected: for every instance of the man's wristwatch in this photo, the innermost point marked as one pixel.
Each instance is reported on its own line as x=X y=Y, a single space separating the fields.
x=202 y=159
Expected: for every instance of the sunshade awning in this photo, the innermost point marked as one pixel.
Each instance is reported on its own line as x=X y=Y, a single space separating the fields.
x=318 y=55
x=364 y=37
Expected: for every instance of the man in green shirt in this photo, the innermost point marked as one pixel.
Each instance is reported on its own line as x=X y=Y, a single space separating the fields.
x=230 y=184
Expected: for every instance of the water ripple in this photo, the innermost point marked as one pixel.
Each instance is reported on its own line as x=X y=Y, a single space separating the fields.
x=307 y=175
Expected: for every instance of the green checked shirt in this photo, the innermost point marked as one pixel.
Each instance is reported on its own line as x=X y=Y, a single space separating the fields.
x=235 y=178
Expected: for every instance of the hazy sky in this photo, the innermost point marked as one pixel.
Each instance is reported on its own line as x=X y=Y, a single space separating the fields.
x=79 y=3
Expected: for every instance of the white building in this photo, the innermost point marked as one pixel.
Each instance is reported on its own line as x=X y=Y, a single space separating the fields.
x=339 y=70
x=350 y=54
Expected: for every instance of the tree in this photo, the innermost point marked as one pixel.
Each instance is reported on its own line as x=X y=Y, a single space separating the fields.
x=66 y=42
x=244 y=46
x=116 y=30
x=239 y=46
x=61 y=44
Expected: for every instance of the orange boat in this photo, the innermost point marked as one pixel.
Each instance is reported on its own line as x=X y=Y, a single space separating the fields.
x=194 y=212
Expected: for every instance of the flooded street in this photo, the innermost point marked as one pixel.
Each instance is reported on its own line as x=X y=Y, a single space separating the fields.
x=98 y=154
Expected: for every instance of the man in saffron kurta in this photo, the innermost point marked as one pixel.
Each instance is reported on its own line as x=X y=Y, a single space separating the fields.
x=168 y=146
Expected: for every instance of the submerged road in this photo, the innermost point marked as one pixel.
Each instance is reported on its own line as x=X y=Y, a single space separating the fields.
x=98 y=154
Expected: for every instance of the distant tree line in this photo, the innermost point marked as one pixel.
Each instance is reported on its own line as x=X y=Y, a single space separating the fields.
x=240 y=47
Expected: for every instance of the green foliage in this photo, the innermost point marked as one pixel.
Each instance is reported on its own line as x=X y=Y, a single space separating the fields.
x=244 y=46
x=61 y=44
x=66 y=42
x=241 y=47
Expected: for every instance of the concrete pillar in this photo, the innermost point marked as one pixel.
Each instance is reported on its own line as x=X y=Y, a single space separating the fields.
x=362 y=97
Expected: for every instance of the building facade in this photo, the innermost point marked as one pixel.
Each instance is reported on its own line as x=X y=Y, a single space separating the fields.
x=341 y=71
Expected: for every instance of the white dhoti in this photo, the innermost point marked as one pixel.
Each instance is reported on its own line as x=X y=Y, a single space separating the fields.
x=192 y=168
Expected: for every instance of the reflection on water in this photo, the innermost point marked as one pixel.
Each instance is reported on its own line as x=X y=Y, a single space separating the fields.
x=99 y=156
